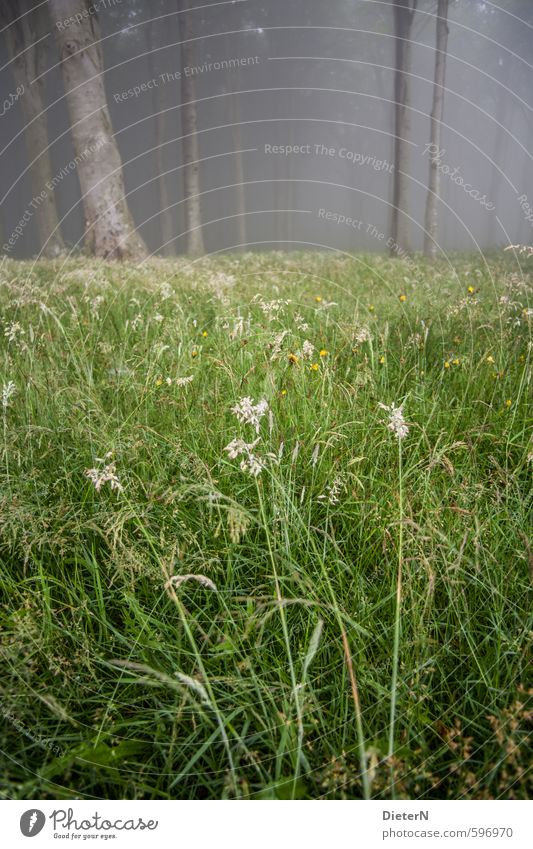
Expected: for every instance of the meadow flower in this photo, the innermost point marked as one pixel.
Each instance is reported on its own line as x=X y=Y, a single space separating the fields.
x=333 y=491
x=277 y=344
x=314 y=367
x=490 y=359
x=307 y=349
x=323 y=352
x=396 y=424
x=184 y=381
x=470 y=290
x=272 y=309
x=382 y=360
x=104 y=473
x=293 y=359
x=238 y=446
x=446 y=364
x=301 y=324
x=8 y=390
x=178 y=580
x=362 y=334
x=250 y=463
x=13 y=331
x=403 y=298
x=249 y=413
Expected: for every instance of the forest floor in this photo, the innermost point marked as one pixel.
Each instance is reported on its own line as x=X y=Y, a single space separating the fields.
x=226 y=569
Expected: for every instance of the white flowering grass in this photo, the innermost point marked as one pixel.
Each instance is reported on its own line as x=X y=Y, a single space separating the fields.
x=287 y=581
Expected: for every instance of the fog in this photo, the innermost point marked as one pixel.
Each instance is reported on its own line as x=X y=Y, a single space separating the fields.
x=296 y=100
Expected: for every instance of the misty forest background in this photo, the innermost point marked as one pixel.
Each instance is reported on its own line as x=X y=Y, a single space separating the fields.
x=265 y=399
x=340 y=92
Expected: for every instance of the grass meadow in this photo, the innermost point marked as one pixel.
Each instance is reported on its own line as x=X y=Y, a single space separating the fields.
x=264 y=528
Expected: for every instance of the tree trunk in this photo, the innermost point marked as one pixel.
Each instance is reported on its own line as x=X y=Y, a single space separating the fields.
x=404 y=11
x=27 y=63
x=110 y=232
x=498 y=159
x=190 y=147
x=166 y=218
x=236 y=135
x=432 y=200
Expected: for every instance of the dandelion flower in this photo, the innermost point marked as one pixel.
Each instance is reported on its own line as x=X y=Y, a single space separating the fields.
x=323 y=352
x=508 y=403
x=314 y=367
x=205 y=334
x=318 y=299
x=446 y=364
x=470 y=290
x=456 y=361
x=403 y=298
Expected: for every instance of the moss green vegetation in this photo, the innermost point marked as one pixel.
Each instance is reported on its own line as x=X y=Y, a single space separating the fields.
x=193 y=620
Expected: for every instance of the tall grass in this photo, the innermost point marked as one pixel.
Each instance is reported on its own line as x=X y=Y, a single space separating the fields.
x=351 y=622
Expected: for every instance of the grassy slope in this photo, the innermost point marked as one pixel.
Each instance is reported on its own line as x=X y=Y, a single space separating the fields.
x=93 y=634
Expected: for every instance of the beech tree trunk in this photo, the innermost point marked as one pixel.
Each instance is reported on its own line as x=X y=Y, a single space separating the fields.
x=27 y=61
x=404 y=12
x=190 y=147
x=166 y=216
x=109 y=229
x=432 y=200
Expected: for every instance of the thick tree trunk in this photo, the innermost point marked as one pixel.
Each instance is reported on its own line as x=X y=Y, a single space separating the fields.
x=27 y=64
x=432 y=200
x=404 y=11
x=190 y=147
x=110 y=232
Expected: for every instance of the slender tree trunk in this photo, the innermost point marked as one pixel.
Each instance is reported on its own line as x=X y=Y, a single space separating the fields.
x=190 y=147
x=166 y=218
x=404 y=11
x=498 y=158
x=110 y=232
x=432 y=200
x=236 y=136
x=27 y=61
